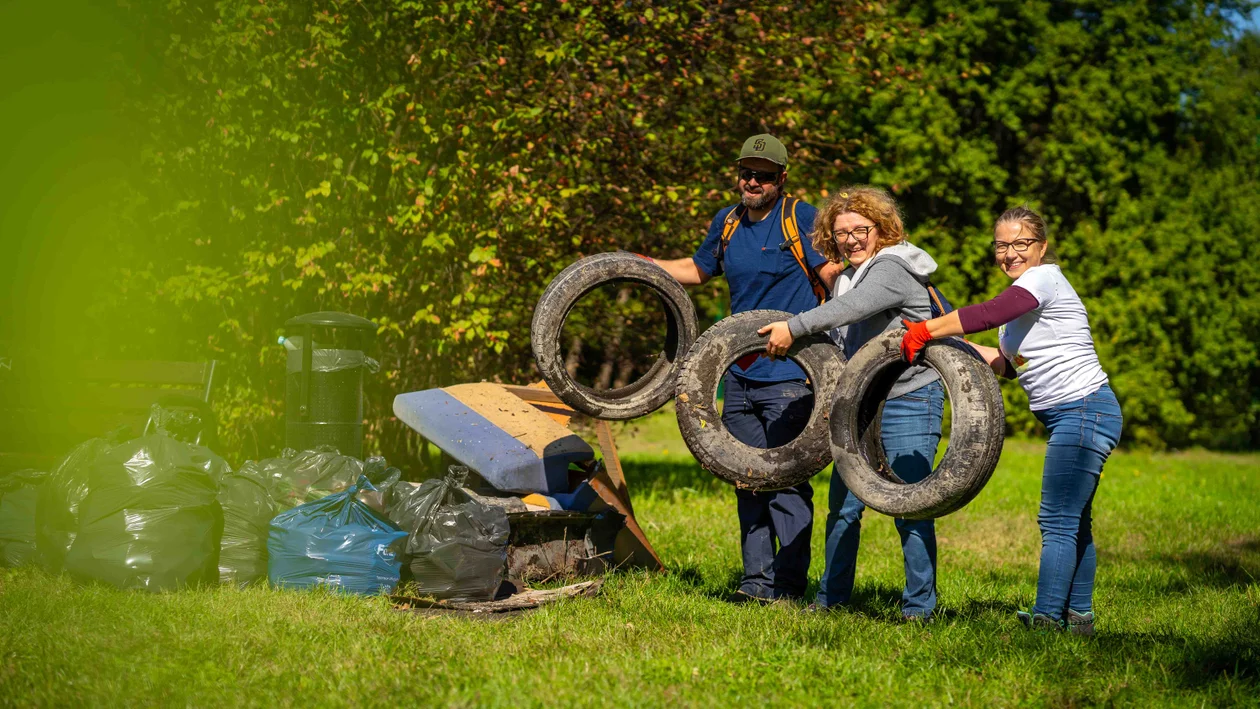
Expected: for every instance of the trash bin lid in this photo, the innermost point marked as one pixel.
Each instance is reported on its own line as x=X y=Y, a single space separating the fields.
x=328 y=318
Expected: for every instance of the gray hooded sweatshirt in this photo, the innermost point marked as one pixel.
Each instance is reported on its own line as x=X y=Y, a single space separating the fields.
x=874 y=298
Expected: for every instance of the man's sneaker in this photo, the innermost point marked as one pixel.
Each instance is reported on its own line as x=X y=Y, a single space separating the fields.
x=1080 y=623
x=916 y=619
x=1038 y=621
x=746 y=597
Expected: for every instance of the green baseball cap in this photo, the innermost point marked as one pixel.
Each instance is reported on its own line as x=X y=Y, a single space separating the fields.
x=765 y=146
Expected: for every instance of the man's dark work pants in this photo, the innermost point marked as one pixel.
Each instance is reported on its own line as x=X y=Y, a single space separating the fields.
x=768 y=415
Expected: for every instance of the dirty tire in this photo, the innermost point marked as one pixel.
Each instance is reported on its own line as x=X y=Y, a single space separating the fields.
x=654 y=388
x=978 y=421
x=702 y=429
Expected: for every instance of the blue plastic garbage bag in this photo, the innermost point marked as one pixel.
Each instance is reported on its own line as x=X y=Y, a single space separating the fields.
x=335 y=541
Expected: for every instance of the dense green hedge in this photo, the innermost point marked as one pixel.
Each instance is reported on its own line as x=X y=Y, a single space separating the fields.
x=431 y=164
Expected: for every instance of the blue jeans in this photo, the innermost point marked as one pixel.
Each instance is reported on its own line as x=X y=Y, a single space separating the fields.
x=1082 y=434
x=768 y=415
x=910 y=430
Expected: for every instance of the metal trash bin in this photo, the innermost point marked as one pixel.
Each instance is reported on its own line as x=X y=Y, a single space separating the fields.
x=324 y=383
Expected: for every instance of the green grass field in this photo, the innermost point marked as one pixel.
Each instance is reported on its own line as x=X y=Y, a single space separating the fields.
x=1178 y=603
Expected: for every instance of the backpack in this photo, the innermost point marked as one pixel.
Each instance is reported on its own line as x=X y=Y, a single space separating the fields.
x=791 y=232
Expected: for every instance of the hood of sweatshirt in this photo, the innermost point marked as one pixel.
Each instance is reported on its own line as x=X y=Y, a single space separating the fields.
x=915 y=260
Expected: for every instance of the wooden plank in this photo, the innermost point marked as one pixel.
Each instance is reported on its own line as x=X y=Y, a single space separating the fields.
x=531 y=598
x=560 y=414
x=142 y=372
x=638 y=551
x=612 y=463
x=610 y=485
x=531 y=394
x=545 y=401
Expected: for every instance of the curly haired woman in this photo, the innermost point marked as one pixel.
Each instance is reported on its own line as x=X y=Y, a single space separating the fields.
x=884 y=282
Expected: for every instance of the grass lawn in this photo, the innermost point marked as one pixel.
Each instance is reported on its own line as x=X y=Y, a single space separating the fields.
x=1178 y=603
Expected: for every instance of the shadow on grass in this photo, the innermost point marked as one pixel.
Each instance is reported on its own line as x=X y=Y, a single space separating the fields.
x=662 y=475
x=1200 y=662
x=1230 y=565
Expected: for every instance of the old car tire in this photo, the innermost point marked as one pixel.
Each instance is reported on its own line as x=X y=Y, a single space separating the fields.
x=978 y=421
x=702 y=429
x=650 y=391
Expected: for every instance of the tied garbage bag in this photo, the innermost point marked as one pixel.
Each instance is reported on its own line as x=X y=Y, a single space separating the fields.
x=151 y=519
x=458 y=545
x=18 y=494
x=57 y=504
x=296 y=478
x=335 y=541
x=247 y=513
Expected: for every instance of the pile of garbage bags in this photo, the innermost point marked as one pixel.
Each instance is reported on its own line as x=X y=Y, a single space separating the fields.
x=161 y=512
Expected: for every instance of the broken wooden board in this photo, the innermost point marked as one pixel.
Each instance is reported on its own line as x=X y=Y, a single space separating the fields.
x=532 y=598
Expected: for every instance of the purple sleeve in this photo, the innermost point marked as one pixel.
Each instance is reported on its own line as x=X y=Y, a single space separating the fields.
x=1010 y=304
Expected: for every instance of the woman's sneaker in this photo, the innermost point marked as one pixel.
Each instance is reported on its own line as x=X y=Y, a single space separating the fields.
x=1080 y=623
x=1039 y=621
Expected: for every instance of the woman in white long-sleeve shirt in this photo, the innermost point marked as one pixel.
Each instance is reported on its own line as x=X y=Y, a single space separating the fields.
x=1045 y=341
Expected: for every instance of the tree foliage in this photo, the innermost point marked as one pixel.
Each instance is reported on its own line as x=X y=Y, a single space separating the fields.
x=431 y=165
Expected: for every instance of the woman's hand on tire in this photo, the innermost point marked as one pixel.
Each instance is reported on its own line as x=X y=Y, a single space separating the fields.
x=916 y=337
x=780 y=340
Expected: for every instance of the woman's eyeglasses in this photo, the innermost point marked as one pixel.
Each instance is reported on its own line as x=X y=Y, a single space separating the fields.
x=860 y=233
x=1020 y=246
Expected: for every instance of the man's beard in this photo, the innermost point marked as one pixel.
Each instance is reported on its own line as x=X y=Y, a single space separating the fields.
x=761 y=201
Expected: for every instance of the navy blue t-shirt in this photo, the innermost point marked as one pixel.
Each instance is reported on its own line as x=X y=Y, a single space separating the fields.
x=762 y=276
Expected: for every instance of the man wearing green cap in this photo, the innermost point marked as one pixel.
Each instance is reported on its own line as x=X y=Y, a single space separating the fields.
x=767 y=402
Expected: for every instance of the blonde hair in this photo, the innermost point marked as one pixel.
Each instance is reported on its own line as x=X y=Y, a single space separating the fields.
x=871 y=202
x=1032 y=223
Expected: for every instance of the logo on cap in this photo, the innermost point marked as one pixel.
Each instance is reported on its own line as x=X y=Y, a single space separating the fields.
x=759 y=145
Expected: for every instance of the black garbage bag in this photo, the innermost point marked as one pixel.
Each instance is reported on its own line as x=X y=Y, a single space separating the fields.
x=457 y=546
x=19 y=491
x=151 y=518
x=58 y=501
x=247 y=513
x=296 y=478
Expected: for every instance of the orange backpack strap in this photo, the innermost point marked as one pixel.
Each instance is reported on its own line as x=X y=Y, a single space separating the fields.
x=792 y=233
x=733 y=218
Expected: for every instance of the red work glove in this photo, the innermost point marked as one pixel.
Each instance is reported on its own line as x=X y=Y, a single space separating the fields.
x=915 y=338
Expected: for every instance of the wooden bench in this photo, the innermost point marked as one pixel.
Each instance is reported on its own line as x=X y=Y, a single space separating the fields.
x=48 y=407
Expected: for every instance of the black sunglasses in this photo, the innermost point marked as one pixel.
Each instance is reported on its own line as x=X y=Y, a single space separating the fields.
x=747 y=174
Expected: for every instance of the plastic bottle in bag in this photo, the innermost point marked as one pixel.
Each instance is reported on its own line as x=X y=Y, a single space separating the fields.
x=298 y=477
